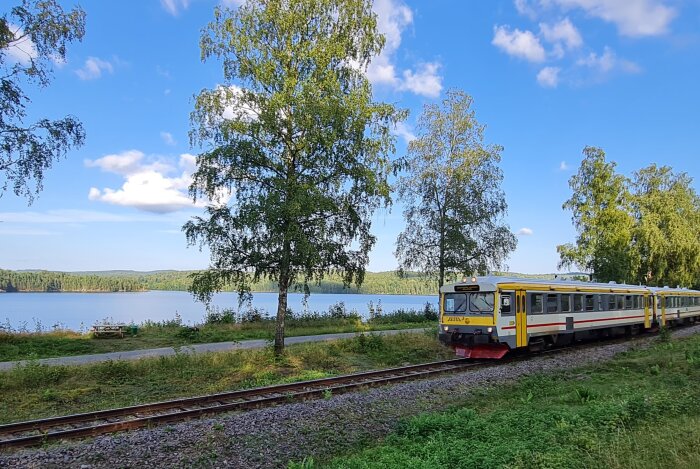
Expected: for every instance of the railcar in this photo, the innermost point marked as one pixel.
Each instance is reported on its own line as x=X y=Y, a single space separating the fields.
x=485 y=317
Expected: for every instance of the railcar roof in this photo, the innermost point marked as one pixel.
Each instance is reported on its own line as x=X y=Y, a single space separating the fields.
x=497 y=280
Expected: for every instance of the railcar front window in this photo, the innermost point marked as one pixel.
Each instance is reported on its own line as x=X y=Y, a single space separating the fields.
x=455 y=302
x=481 y=302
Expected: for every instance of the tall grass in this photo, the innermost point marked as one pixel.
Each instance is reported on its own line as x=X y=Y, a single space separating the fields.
x=641 y=410
x=35 y=390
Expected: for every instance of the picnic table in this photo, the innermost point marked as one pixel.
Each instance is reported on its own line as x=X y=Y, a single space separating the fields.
x=109 y=329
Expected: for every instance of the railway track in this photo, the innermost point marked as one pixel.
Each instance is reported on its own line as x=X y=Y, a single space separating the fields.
x=37 y=432
x=40 y=431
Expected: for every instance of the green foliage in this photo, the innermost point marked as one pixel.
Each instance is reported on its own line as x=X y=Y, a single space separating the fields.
x=43 y=281
x=33 y=35
x=601 y=213
x=591 y=417
x=644 y=230
x=35 y=390
x=226 y=316
x=302 y=146
x=362 y=343
x=667 y=234
x=451 y=189
x=248 y=324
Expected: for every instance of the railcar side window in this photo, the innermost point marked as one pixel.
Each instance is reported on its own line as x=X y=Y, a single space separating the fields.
x=601 y=302
x=481 y=302
x=565 y=303
x=552 y=303
x=505 y=302
x=628 y=302
x=620 y=302
x=535 y=302
x=590 y=305
x=578 y=302
x=455 y=302
x=611 y=302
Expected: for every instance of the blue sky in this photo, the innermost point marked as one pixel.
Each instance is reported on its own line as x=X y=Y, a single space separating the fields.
x=547 y=76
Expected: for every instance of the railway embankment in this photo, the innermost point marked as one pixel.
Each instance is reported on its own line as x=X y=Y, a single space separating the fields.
x=631 y=404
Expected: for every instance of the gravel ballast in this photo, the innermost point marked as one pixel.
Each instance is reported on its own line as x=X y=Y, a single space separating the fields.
x=272 y=437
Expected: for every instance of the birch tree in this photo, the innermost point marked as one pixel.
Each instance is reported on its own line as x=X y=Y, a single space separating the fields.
x=33 y=36
x=294 y=134
x=454 y=204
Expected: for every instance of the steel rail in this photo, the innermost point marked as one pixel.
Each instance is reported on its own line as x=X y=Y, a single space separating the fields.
x=40 y=431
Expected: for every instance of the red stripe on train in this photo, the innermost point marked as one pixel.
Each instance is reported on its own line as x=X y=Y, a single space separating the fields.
x=575 y=322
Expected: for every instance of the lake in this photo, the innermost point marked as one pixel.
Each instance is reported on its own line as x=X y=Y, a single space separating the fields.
x=79 y=311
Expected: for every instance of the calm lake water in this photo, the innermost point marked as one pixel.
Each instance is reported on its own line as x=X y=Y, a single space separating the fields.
x=76 y=311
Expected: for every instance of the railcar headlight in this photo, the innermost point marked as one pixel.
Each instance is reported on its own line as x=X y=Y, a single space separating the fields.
x=446 y=328
x=489 y=330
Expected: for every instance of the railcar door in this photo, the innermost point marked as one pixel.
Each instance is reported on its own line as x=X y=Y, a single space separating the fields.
x=647 y=310
x=662 y=306
x=520 y=319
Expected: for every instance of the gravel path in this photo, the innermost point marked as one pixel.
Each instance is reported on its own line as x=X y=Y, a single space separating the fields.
x=194 y=348
x=272 y=437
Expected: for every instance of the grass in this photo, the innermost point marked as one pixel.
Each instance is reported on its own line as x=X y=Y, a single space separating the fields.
x=34 y=390
x=217 y=327
x=640 y=410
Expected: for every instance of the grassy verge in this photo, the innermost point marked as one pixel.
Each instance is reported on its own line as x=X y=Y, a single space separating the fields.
x=640 y=410
x=217 y=327
x=34 y=390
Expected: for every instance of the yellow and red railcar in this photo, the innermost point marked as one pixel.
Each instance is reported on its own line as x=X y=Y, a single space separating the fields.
x=488 y=316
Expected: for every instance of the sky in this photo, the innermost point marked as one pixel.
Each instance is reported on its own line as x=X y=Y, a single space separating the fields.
x=548 y=77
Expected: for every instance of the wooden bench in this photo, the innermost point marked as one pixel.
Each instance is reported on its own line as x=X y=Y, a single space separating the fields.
x=100 y=330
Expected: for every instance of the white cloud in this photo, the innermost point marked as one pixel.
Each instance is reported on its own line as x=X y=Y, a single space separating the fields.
x=123 y=163
x=563 y=166
x=548 y=77
x=425 y=81
x=22 y=49
x=393 y=17
x=607 y=62
x=522 y=44
x=632 y=17
x=148 y=185
x=174 y=6
x=167 y=138
x=524 y=232
x=526 y=9
x=404 y=131
x=93 y=68
x=563 y=32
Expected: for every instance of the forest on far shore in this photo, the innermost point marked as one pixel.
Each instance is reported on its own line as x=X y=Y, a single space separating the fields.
x=387 y=283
